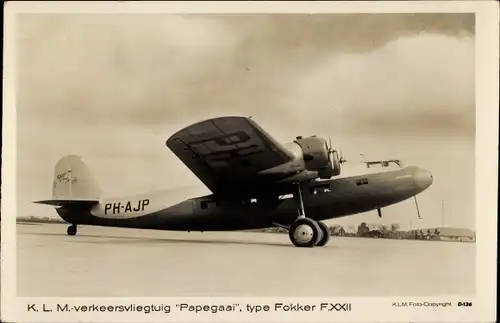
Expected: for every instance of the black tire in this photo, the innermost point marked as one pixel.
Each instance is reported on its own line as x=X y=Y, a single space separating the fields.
x=315 y=230
x=325 y=236
x=320 y=234
x=71 y=230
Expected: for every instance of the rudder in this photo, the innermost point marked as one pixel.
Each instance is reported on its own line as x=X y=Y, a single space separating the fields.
x=74 y=181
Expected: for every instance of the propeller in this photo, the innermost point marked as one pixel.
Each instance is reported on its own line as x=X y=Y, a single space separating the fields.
x=331 y=151
x=342 y=159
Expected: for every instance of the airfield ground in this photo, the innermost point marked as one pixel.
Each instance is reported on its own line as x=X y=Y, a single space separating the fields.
x=127 y=262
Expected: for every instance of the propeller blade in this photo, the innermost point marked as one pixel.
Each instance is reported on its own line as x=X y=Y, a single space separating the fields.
x=379 y=213
x=342 y=159
x=416 y=204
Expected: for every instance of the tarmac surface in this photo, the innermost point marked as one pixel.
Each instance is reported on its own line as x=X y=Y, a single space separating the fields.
x=114 y=262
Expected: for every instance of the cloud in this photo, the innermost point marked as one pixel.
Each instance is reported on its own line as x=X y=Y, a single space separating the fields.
x=108 y=69
x=157 y=69
x=418 y=84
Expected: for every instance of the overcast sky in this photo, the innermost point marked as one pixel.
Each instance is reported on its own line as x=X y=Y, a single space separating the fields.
x=113 y=88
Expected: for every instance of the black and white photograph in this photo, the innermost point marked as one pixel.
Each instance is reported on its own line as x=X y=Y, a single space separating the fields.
x=246 y=154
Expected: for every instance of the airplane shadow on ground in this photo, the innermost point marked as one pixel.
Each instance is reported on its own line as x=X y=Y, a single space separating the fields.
x=139 y=240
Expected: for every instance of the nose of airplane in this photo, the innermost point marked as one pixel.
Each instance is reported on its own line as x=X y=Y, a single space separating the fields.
x=422 y=178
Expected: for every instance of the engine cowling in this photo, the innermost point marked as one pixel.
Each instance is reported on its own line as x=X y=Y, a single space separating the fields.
x=318 y=157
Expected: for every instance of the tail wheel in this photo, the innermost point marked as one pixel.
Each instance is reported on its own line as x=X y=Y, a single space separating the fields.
x=71 y=230
x=325 y=237
x=305 y=232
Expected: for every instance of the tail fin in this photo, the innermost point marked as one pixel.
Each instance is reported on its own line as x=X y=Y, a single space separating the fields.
x=73 y=182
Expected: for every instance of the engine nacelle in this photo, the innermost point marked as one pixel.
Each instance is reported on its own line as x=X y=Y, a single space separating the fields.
x=317 y=157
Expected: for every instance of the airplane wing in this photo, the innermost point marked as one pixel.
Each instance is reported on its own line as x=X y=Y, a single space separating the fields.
x=227 y=153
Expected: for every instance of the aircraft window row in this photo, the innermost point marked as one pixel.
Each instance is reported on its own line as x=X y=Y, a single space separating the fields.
x=325 y=188
x=362 y=181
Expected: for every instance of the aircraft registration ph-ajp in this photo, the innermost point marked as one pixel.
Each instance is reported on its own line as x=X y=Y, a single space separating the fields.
x=256 y=182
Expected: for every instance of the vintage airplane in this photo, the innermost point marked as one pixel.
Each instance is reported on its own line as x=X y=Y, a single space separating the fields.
x=256 y=183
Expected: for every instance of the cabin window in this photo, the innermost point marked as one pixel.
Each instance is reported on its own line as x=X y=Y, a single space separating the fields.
x=320 y=189
x=325 y=188
x=247 y=201
x=208 y=204
x=362 y=181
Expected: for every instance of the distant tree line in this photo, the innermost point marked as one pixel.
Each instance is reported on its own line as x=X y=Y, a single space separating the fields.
x=34 y=219
x=364 y=230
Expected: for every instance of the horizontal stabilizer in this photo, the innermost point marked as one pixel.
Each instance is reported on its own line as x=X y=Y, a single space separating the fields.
x=76 y=203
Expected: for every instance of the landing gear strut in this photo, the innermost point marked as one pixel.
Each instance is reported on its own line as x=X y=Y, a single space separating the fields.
x=305 y=232
x=72 y=230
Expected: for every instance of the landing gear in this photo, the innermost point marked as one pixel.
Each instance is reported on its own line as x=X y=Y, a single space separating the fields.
x=305 y=232
x=72 y=230
x=326 y=234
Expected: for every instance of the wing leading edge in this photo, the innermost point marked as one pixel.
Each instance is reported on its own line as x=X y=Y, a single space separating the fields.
x=227 y=153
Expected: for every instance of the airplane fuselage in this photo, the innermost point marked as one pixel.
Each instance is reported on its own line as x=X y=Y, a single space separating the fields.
x=256 y=182
x=323 y=199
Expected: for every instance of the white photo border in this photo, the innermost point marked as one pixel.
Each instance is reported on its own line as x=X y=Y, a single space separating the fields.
x=368 y=309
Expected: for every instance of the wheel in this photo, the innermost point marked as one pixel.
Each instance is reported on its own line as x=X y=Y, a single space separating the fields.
x=325 y=237
x=304 y=232
x=72 y=230
x=320 y=234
